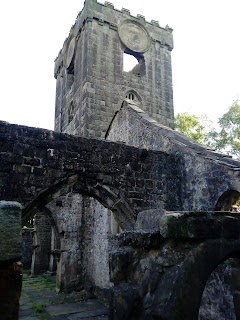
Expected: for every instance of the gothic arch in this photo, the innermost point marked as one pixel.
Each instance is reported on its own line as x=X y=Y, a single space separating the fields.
x=109 y=198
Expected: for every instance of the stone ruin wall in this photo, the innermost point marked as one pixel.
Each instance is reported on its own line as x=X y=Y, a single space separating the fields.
x=85 y=105
x=134 y=127
x=153 y=166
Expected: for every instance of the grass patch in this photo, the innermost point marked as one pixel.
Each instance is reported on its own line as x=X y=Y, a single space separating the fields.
x=39 y=283
x=38 y=307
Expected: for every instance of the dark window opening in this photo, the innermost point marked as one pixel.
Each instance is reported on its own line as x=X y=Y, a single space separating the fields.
x=70 y=76
x=131 y=96
x=71 y=112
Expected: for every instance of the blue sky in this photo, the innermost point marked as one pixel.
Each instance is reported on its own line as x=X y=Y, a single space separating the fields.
x=205 y=60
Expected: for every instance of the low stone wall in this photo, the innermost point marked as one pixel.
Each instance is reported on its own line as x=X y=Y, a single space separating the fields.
x=162 y=273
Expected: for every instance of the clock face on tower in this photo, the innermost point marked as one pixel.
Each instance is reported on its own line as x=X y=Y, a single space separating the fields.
x=134 y=36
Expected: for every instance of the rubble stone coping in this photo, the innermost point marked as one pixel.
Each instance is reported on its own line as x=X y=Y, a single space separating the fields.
x=200 y=225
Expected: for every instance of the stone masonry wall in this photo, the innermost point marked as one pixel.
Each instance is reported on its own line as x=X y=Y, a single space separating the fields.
x=205 y=174
x=119 y=176
x=85 y=228
x=67 y=212
x=134 y=127
x=97 y=243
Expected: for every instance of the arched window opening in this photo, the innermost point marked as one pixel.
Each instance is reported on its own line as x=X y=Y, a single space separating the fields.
x=133 y=64
x=220 y=298
x=229 y=201
x=70 y=76
x=133 y=96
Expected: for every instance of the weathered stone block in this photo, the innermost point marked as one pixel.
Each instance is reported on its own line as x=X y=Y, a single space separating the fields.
x=149 y=220
x=10 y=231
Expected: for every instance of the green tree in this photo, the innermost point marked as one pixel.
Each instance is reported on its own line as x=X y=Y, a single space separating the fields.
x=195 y=127
x=228 y=138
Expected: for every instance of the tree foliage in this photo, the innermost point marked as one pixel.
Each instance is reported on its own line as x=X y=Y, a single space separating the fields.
x=228 y=138
x=196 y=128
x=225 y=139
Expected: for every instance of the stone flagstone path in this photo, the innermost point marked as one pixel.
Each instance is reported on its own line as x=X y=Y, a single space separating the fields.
x=40 y=301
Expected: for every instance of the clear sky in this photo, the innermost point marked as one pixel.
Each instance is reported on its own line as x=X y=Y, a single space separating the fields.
x=205 y=60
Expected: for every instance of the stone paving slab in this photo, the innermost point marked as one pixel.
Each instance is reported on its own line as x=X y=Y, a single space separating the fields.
x=97 y=314
x=26 y=312
x=53 y=297
x=57 y=306
x=77 y=307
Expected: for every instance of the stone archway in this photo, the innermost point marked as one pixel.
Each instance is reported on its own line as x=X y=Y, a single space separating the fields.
x=227 y=200
x=109 y=198
x=179 y=293
x=82 y=249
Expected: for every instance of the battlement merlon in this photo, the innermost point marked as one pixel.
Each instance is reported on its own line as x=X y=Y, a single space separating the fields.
x=107 y=14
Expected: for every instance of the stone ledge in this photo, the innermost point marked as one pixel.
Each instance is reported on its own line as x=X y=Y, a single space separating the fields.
x=200 y=225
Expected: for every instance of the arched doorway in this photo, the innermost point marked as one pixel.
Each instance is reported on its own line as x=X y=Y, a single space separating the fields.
x=84 y=227
x=228 y=201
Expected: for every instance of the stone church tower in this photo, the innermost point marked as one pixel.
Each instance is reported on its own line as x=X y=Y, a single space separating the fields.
x=91 y=88
x=91 y=83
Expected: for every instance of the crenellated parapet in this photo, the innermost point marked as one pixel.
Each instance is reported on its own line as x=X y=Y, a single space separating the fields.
x=106 y=14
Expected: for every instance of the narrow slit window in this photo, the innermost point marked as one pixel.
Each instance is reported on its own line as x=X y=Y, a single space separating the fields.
x=70 y=112
x=70 y=76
